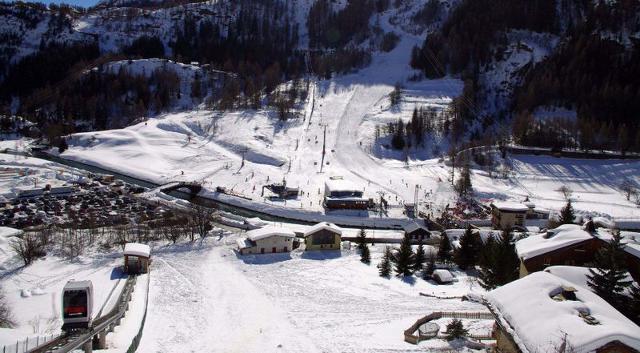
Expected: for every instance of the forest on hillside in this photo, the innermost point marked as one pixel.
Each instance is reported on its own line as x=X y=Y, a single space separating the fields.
x=593 y=71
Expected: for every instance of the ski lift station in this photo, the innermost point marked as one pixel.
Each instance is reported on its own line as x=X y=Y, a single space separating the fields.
x=136 y=258
x=340 y=193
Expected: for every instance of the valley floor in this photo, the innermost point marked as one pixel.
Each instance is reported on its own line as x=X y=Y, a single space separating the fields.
x=204 y=296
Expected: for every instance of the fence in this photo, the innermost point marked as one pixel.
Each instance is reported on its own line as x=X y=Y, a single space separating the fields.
x=136 y=340
x=411 y=337
x=27 y=344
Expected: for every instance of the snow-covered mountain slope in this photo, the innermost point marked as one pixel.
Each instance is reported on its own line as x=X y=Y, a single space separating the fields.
x=210 y=146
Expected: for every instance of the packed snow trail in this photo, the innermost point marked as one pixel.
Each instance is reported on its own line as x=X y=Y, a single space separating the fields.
x=200 y=302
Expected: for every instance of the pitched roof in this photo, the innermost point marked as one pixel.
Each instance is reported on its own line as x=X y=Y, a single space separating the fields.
x=511 y=206
x=553 y=239
x=136 y=249
x=270 y=231
x=413 y=226
x=323 y=225
x=538 y=323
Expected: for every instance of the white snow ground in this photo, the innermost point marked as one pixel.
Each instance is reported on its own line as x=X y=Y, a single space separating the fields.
x=204 y=297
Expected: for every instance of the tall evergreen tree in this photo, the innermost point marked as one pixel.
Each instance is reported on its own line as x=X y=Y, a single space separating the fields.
x=362 y=239
x=404 y=258
x=365 y=255
x=607 y=279
x=467 y=255
x=420 y=257
x=566 y=214
x=499 y=262
x=444 y=251
x=384 y=267
x=634 y=304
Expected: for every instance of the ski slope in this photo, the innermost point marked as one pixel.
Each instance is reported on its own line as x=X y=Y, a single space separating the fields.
x=245 y=150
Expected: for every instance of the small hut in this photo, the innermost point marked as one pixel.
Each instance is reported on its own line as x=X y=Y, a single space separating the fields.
x=136 y=258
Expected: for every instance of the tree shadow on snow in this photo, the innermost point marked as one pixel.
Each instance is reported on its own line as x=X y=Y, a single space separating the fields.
x=263 y=259
x=117 y=273
x=321 y=254
x=410 y=280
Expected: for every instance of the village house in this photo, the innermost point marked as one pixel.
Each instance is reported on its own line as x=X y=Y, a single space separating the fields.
x=323 y=236
x=136 y=258
x=573 y=245
x=266 y=240
x=569 y=244
x=545 y=313
x=340 y=193
x=416 y=232
x=508 y=214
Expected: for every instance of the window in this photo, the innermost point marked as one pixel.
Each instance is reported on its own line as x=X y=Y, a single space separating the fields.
x=75 y=303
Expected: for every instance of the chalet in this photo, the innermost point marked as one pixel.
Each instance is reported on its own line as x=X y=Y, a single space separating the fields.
x=569 y=244
x=416 y=232
x=136 y=258
x=545 y=313
x=266 y=240
x=340 y=193
x=323 y=236
x=508 y=214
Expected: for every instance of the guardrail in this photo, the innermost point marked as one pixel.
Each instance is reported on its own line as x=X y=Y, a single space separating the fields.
x=136 y=340
x=69 y=342
x=23 y=346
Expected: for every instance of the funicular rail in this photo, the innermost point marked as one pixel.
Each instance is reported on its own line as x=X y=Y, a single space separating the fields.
x=68 y=342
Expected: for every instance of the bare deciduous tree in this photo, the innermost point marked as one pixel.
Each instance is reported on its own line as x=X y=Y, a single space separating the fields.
x=202 y=218
x=6 y=316
x=28 y=247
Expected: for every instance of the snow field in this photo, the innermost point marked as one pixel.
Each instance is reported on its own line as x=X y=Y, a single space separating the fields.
x=292 y=302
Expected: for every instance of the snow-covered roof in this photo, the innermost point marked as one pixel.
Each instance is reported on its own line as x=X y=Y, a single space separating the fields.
x=443 y=275
x=564 y=235
x=575 y=274
x=541 y=324
x=71 y=284
x=510 y=206
x=244 y=243
x=137 y=249
x=323 y=225
x=413 y=226
x=267 y=232
x=341 y=185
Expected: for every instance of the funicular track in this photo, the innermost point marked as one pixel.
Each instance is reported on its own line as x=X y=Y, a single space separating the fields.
x=104 y=324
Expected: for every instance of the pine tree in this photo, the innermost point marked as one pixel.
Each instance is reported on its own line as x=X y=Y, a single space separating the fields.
x=507 y=261
x=566 y=214
x=463 y=184
x=384 y=267
x=467 y=255
x=455 y=329
x=362 y=239
x=444 y=251
x=486 y=275
x=499 y=263
x=431 y=266
x=404 y=258
x=420 y=257
x=62 y=145
x=634 y=304
x=365 y=255
x=607 y=279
